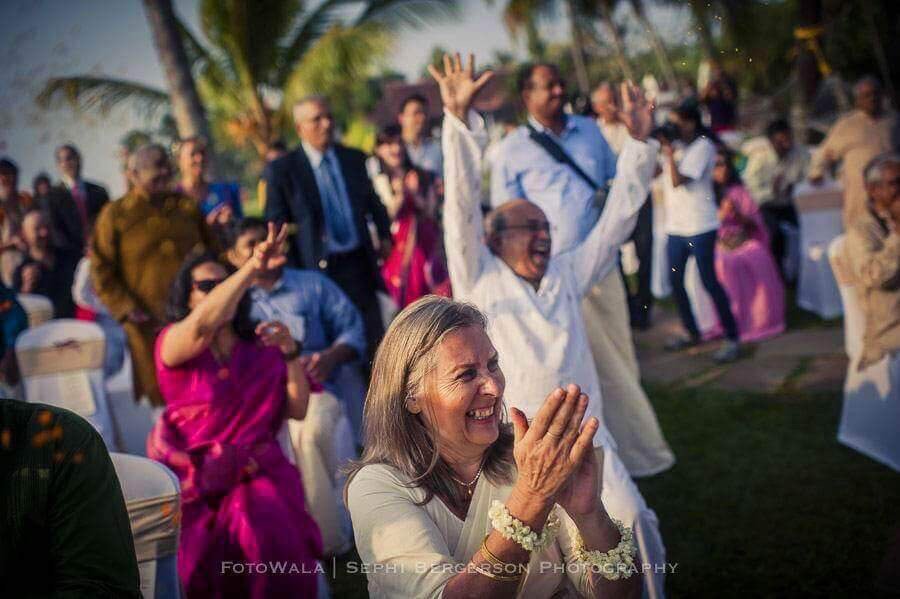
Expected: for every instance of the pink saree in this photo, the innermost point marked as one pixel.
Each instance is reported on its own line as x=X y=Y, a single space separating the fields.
x=243 y=509
x=747 y=270
x=415 y=266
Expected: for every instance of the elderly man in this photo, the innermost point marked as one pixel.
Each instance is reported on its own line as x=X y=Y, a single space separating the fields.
x=873 y=249
x=424 y=152
x=74 y=204
x=139 y=243
x=606 y=105
x=532 y=300
x=323 y=189
x=853 y=141
x=563 y=164
x=46 y=270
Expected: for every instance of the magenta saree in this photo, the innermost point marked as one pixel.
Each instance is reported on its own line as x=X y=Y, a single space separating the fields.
x=747 y=271
x=243 y=509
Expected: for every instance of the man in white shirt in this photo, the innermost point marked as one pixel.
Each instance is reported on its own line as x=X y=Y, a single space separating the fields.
x=532 y=300
x=424 y=152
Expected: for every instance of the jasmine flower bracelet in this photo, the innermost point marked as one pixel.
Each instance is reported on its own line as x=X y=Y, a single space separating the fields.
x=515 y=530
x=614 y=564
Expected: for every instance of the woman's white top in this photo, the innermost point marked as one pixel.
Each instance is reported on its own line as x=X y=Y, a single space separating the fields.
x=411 y=550
x=691 y=207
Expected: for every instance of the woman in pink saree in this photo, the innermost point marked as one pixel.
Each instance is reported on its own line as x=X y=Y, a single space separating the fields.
x=744 y=263
x=416 y=264
x=228 y=386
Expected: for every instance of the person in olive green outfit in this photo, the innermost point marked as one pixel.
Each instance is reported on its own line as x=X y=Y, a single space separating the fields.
x=64 y=528
x=139 y=243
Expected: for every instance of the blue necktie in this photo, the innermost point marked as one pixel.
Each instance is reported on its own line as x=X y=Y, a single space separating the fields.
x=335 y=212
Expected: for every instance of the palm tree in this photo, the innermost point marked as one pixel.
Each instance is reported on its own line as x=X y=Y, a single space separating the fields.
x=186 y=106
x=659 y=48
x=261 y=55
x=607 y=9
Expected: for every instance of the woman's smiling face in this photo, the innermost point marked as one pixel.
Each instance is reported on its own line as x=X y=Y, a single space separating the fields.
x=463 y=394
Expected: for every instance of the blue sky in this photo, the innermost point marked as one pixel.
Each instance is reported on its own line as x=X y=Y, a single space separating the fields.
x=45 y=38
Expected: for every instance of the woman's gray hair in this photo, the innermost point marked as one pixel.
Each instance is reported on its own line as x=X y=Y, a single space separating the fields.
x=393 y=435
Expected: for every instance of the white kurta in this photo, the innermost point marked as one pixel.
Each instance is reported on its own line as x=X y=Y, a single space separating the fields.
x=540 y=335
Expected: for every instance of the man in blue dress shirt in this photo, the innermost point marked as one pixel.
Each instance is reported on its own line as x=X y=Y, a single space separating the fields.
x=318 y=314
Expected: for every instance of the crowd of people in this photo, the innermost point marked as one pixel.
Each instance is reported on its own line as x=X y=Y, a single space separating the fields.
x=477 y=337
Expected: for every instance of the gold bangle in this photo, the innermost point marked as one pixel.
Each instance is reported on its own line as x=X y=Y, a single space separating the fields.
x=500 y=577
x=496 y=561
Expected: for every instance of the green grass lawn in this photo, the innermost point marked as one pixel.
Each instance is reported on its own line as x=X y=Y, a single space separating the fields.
x=763 y=501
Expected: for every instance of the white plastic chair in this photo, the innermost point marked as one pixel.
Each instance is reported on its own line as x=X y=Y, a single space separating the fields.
x=153 y=498
x=131 y=419
x=322 y=443
x=870 y=419
x=61 y=363
x=819 y=215
x=38 y=308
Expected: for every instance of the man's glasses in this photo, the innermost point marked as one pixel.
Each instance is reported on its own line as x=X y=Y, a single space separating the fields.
x=532 y=226
x=206 y=285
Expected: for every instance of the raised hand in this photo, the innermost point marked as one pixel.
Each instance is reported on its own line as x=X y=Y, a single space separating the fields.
x=636 y=112
x=458 y=84
x=270 y=253
x=553 y=447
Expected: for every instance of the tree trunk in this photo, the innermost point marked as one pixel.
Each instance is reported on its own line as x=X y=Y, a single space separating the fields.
x=659 y=48
x=584 y=85
x=187 y=109
x=704 y=35
x=806 y=71
x=606 y=9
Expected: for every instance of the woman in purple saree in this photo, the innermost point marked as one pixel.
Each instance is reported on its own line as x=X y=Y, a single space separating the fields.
x=228 y=386
x=744 y=265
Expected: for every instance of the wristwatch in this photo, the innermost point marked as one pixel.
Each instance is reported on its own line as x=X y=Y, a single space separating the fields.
x=295 y=353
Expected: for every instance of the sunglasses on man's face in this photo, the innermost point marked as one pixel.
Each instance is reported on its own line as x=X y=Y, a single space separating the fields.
x=206 y=285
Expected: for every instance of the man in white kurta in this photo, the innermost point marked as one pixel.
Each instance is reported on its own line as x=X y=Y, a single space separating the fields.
x=539 y=333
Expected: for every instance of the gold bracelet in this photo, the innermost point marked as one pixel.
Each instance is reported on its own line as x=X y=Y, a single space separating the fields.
x=500 y=577
x=496 y=561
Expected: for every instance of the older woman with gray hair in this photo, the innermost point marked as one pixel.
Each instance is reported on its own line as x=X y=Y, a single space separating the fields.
x=451 y=500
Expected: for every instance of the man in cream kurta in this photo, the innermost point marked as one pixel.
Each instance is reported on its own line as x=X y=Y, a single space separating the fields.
x=854 y=140
x=540 y=334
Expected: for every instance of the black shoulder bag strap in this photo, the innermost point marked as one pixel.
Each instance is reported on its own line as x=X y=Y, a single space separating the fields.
x=561 y=156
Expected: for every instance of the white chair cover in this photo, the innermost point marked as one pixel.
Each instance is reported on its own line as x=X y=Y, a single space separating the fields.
x=870 y=419
x=132 y=420
x=38 y=308
x=61 y=363
x=819 y=215
x=701 y=303
x=153 y=498
x=322 y=443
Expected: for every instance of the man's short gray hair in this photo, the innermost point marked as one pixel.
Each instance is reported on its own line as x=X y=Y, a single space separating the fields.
x=136 y=158
x=310 y=99
x=874 y=169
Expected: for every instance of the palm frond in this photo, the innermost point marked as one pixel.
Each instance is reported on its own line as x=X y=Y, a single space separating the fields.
x=415 y=13
x=519 y=14
x=312 y=27
x=101 y=94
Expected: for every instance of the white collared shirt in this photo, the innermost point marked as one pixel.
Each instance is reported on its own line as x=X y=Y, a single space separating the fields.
x=427 y=156
x=539 y=335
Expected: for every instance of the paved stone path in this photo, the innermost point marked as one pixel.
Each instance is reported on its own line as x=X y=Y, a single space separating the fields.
x=810 y=360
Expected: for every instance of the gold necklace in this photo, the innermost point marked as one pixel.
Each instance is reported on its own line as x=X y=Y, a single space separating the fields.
x=469 y=486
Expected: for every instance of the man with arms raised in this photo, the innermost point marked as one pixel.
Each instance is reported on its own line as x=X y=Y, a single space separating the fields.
x=532 y=300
